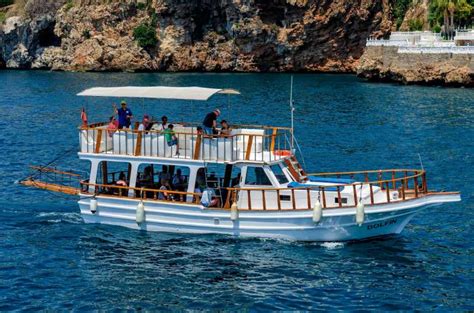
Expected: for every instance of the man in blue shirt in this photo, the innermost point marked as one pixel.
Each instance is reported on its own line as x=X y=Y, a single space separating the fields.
x=124 y=115
x=210 y=122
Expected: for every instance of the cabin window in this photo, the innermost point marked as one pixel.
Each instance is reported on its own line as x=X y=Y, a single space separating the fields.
x=257 y=176
x=278 y=172
x=154 y=177
x=216 y=178
x=343 y=200
x=113 y=178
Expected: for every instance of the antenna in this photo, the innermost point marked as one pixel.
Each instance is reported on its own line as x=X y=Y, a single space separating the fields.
x=292 y=108
x=421 y=162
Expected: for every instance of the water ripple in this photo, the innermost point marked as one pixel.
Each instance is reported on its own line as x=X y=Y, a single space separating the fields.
x=50 y=260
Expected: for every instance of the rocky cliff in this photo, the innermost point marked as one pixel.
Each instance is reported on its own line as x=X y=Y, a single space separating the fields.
x=195 y=35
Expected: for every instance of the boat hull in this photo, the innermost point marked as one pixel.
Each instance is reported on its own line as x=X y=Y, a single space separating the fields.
x=335 y=225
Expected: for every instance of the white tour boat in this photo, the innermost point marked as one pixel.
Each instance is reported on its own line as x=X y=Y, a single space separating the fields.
x=248 y=183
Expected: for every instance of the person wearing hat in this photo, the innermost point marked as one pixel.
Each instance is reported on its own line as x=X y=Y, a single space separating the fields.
x=210 y=122
x=124 y=115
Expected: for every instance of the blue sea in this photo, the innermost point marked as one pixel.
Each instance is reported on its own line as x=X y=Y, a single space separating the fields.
x=51 y=260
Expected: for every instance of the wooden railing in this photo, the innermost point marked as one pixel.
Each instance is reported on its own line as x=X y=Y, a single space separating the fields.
x=264 y=144
x=140 y=193
x=53 y=179
x=407 y=183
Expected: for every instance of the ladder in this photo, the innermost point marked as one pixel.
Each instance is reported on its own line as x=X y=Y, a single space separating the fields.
x=296 y=169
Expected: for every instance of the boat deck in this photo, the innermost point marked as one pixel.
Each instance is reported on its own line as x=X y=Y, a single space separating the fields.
x=245 y=143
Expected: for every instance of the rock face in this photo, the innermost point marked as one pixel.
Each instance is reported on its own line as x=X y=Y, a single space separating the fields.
x=386 y=64
x=198 y=35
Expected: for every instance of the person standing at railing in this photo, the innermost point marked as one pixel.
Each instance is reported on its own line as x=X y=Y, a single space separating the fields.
x=145 y=124
x=124 y=115
x=210 y=122
x=112 y=126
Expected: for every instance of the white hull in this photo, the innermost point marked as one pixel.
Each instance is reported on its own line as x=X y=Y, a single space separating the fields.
x=335 y=225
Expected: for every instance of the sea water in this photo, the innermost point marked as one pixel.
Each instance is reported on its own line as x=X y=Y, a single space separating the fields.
x=50 y=259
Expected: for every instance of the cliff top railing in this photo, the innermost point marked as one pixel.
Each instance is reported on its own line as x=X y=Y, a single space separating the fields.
x=244 y=143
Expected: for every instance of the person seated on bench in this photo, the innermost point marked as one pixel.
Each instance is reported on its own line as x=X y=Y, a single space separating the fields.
x=225 y=130
x=164 y=174
x=165 y=185
x=178 y=182
x=123 y=183
x=145 y=124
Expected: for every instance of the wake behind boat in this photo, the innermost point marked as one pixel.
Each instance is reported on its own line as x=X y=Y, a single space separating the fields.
x=246 y=183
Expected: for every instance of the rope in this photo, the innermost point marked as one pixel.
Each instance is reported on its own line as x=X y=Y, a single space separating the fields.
x=39 y=171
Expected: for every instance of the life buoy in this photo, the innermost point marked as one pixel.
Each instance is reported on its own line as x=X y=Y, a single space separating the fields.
x=282 y=152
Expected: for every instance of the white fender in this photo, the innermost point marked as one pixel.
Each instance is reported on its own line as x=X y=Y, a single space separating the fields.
x=317 y=212
x=93 y=205
x=234 y=212
x=140 y=217
x=360 y=213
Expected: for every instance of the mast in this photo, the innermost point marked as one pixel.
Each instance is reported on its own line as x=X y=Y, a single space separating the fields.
x=292 y=108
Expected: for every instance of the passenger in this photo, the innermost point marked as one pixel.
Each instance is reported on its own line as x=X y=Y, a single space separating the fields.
x=164 y=123
x=123 y=183
x=145 y=124
x=225 y=130
x=84 y=118
x=178 y=183
x=165 y=185
x=201 y=184
x=147 y=178
x=164 y=175
x=199 y=130
x=112 y=126
x=124 y=115
x=210 y=122
x=171 y=139
x=178 y=180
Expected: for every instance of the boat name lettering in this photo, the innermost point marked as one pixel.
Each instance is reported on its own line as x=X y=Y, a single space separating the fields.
x=381 y=224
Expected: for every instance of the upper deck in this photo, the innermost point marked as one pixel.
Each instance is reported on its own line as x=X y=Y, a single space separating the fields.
x=246 y=143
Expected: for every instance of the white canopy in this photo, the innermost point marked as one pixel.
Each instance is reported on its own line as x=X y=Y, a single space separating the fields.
x=159 y=92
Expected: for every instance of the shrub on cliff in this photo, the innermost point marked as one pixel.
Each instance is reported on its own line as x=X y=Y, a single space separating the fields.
x=415 y=24
x=145 y=35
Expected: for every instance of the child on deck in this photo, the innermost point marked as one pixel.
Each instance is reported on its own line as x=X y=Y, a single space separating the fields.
x=170 y=137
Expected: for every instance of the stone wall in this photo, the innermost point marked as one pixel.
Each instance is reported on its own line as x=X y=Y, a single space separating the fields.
x=382 y=63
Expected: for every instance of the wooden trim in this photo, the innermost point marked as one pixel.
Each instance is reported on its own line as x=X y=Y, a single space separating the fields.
x=272 y=144
x=355 y=194
x=197 y=147
x=371 y=194
x=264 y=201
x=293 y=172
x=138 y=147
x=308 y=197
x=339 y=198
x=293 y=198
x=98 y=141
x=52 y=170
x=249 y=147
x=324 y=198
x=278 y=199
x=51 y=187
x=249 y=200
